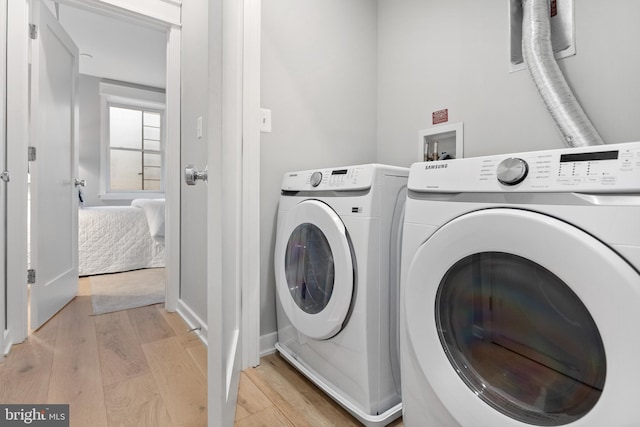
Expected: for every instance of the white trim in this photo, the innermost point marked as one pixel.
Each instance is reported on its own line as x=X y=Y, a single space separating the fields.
x=17 y=141
x=6 y=343
x=251 y=341
x=268 y=343
x=150 y=13
x=172 y=170
x=130 y=196
x=216 y=395
x=3 y=164
x=133 y=95
x=193 y=321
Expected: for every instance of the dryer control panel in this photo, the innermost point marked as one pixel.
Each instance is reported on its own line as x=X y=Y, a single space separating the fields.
x=594 y=169
x=336 y=179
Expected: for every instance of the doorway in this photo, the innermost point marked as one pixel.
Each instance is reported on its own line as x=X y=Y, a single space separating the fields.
x=122 y=69
x=167 y=22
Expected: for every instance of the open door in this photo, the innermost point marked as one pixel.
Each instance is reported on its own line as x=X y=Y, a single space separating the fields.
x=53 y=195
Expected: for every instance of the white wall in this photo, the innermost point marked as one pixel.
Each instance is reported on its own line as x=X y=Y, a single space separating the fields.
x=319 y=79
x=435 y=54
x=193 y=216
x=319 y=59
x=89 y=131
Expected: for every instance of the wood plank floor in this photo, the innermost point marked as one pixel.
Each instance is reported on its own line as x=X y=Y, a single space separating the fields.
x=138 y=367
x=142 y=367
x=276 y=394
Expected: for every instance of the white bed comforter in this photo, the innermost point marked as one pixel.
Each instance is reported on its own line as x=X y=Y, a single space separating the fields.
x=154 y=210
x=116 y=238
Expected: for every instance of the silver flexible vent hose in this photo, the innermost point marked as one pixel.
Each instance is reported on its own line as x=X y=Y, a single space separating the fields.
x=573 y=123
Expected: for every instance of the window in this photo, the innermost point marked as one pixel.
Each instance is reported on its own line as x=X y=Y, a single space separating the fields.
x=135 y=155
x=133 y=142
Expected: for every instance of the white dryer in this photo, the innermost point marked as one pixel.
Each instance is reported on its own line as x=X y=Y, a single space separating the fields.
x=337 y=261
x=520 y=290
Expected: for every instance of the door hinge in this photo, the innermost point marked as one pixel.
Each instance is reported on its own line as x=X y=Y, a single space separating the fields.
x=32 y=154
x=33 y=31
x=31 y=276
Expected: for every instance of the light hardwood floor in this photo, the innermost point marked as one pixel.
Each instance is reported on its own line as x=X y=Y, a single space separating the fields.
x=276 y=394
x=139 y=367
x=142 y=367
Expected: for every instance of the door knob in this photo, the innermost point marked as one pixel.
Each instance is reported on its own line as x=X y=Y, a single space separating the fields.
x=192 y=175
x=79 y=182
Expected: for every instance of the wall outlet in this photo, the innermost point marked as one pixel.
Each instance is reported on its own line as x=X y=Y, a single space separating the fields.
x=265 y=120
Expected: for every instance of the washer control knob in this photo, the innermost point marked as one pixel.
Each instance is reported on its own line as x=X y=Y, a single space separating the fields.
x=512 y=171
x=316 y=179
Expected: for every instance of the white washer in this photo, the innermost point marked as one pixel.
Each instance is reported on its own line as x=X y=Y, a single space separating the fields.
x=520 y=293
x=337 y=260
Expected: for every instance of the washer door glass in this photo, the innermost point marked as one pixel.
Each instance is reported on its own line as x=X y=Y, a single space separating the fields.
x=309 y=268
x=520 y=338
x=314 y=269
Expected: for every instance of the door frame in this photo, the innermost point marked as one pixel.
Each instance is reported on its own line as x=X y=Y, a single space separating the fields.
x=250 y=263
x=3 y=164
x=18 y=141
x=17 y=165
x=18 y=137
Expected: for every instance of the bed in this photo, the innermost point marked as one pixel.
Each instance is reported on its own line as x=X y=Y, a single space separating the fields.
x=113 y=239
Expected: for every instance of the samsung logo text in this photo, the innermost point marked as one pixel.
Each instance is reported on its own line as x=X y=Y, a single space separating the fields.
x=437 y=166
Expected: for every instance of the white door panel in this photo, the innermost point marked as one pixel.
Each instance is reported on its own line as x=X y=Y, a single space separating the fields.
x=54 y=200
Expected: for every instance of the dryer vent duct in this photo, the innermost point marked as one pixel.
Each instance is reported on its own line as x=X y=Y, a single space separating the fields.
x=574 y=125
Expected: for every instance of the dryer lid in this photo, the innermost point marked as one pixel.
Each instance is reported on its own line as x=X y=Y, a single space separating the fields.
x=314 y=269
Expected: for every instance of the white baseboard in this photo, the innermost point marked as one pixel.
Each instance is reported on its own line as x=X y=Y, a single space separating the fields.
x=193 y=321
x=268 y=343
x=8 y=343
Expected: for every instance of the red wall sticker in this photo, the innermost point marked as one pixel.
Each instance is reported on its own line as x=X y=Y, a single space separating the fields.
x=440 y=116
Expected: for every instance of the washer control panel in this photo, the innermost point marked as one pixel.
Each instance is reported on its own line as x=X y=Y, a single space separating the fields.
x=338 y=179
x=602 y=168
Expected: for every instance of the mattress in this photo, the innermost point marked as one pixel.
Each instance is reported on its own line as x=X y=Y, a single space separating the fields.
x=116 y=238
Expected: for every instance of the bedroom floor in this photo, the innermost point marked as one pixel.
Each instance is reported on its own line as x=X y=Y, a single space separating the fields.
x=141 y=367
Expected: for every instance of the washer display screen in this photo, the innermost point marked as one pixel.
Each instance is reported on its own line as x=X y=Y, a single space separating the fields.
x=309 y=268
x=520 y=338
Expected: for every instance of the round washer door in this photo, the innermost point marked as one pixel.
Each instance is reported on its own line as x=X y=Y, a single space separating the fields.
x=519 y=319
x=314 y=269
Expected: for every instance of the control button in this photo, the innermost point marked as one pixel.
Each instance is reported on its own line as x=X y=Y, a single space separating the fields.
x=512 y=171
x=316 y=179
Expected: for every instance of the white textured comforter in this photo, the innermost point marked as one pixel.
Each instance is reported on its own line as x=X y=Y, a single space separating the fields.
x=154 y=210
x=116 y=238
